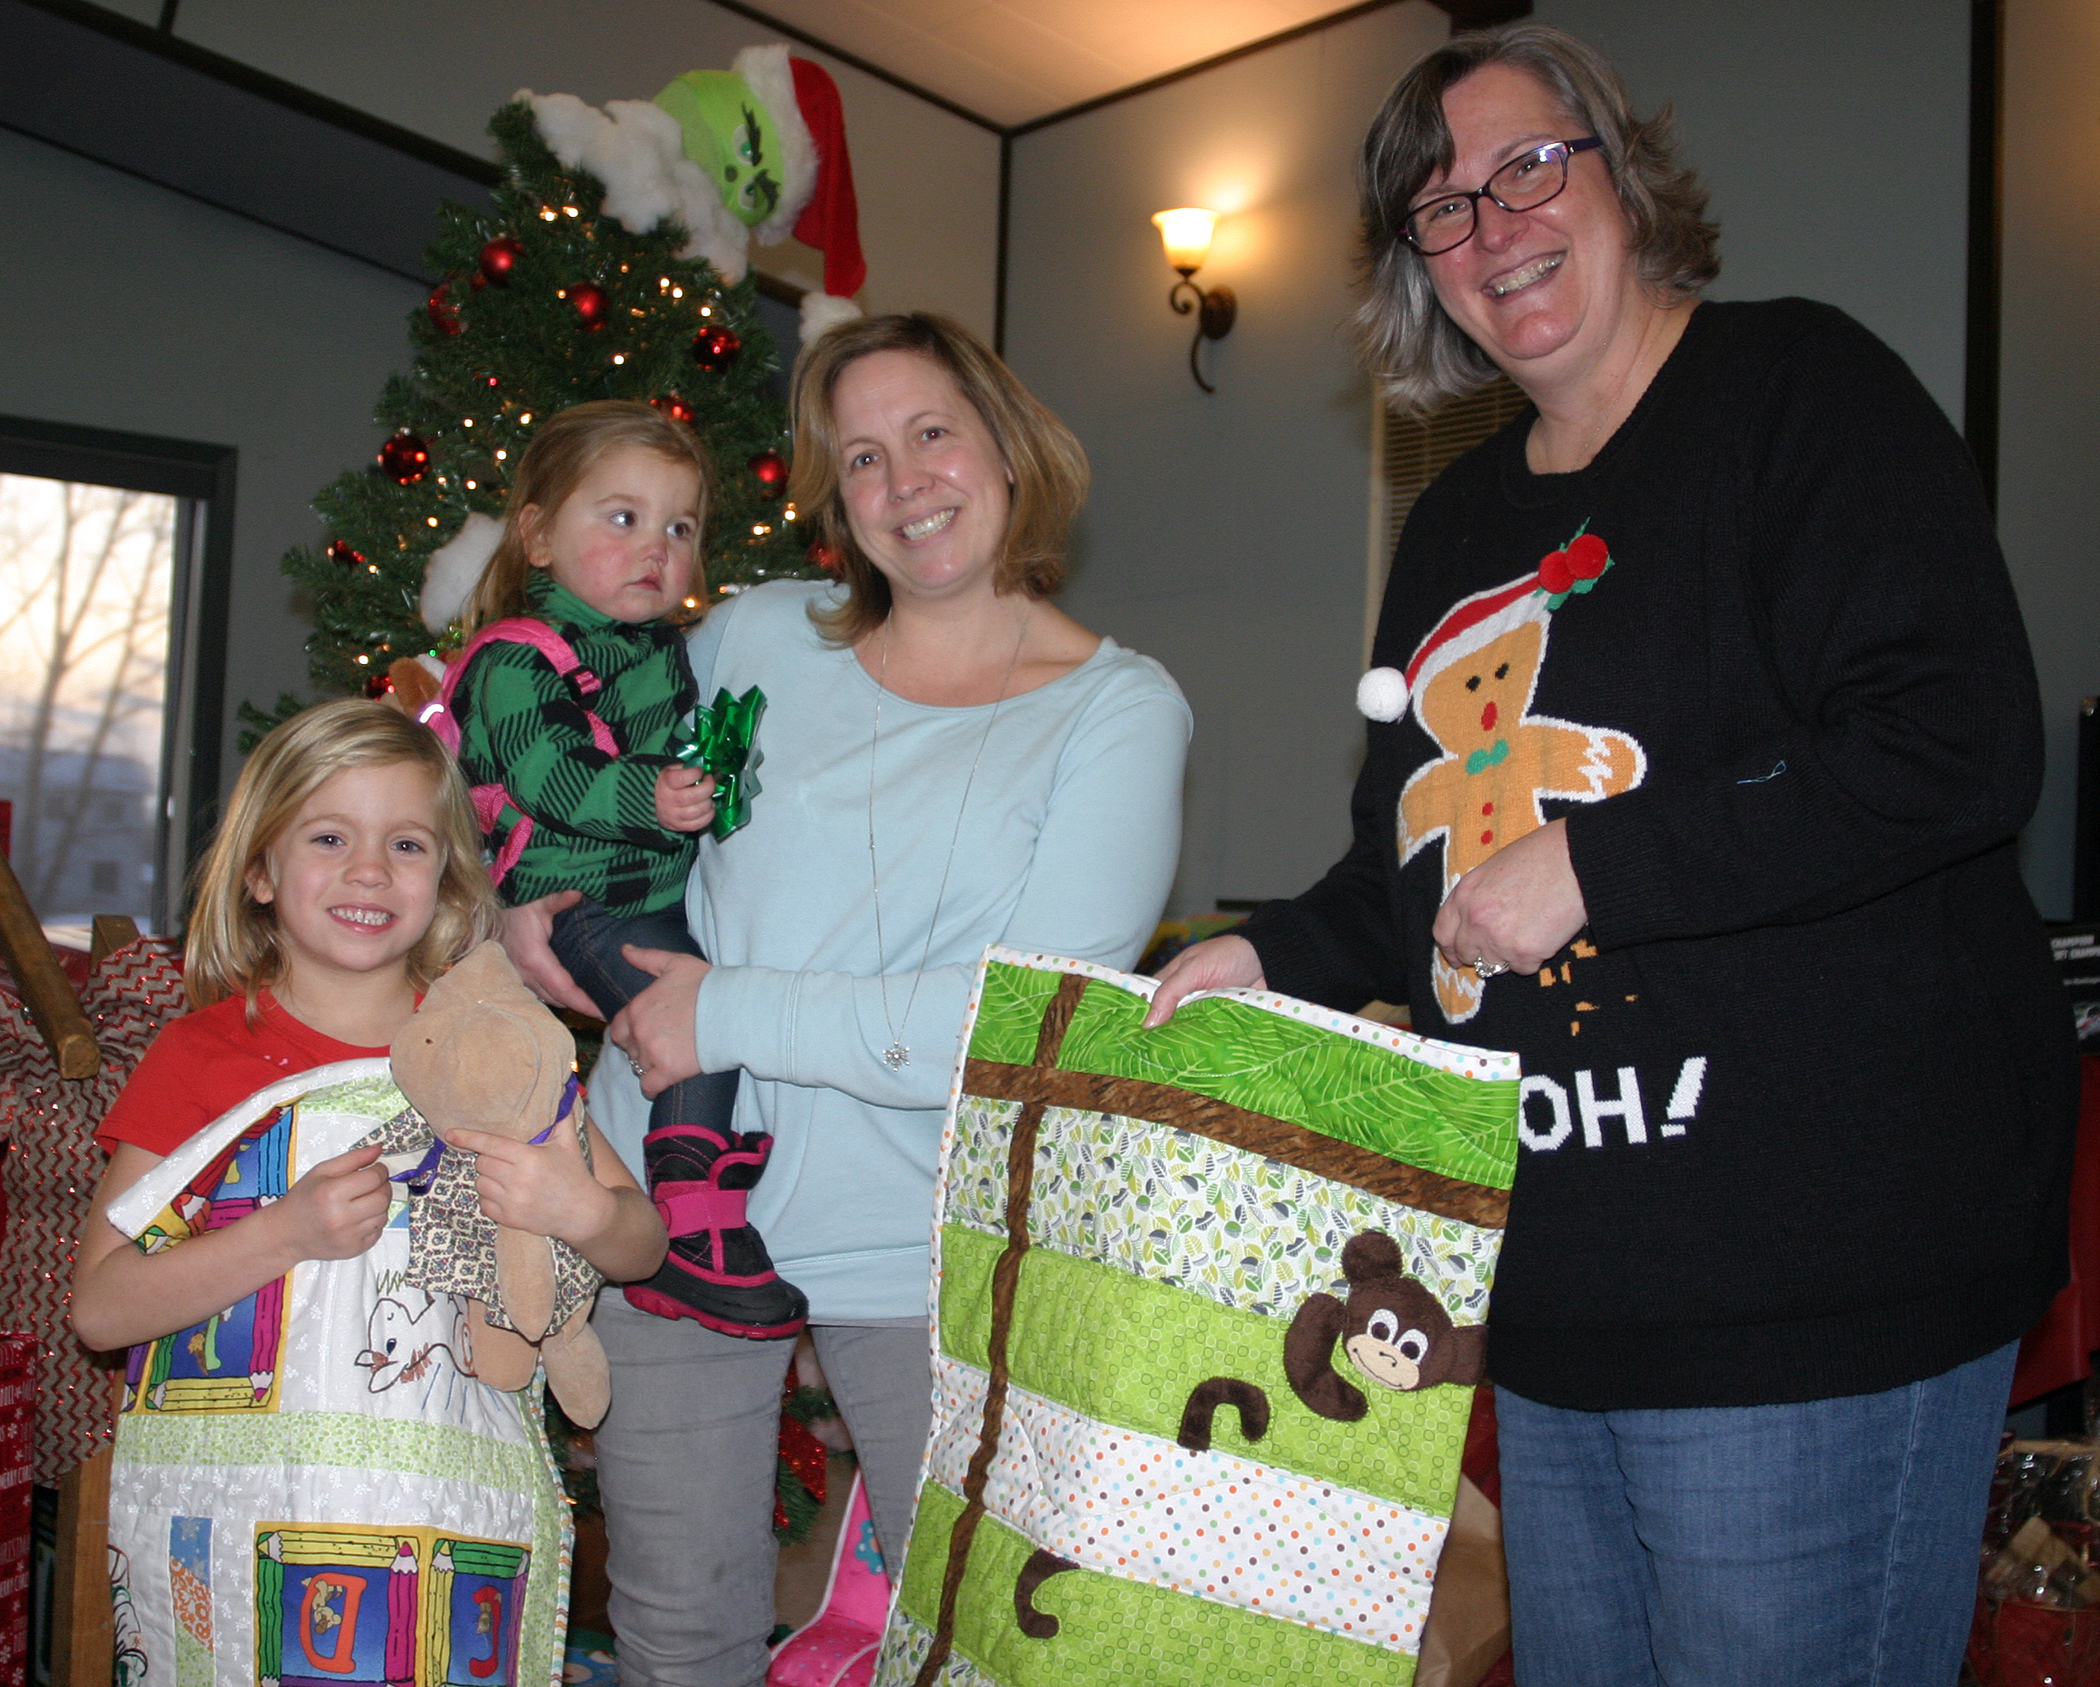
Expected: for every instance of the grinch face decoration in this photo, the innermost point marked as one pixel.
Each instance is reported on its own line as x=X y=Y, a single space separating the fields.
x=1471 y=684
x=732 y=136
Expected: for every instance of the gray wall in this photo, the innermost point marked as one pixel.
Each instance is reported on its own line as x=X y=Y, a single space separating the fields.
x=132 y=308
x=2049 y=471
x=1227 y=534
x=928 y=181
x=1835 y=139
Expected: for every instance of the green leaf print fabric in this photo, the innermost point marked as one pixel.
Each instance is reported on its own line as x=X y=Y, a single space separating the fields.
x=1178 y=1436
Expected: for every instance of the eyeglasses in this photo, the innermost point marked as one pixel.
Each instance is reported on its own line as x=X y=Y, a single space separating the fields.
x=1523 y=184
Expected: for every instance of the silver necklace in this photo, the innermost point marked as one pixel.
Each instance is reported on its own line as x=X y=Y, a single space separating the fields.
x=898 y=1055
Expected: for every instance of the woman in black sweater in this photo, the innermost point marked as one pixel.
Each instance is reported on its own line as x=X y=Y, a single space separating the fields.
x=1702 y=727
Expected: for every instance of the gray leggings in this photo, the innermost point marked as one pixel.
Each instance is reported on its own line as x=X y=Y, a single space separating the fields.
x=686 y=1465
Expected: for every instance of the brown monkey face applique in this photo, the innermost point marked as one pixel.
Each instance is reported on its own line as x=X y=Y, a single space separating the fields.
x=1394 y=1332
x=1389 y=1355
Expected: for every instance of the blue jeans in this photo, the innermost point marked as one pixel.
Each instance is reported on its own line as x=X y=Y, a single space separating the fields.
x=1827 y=1544
x=586 y=940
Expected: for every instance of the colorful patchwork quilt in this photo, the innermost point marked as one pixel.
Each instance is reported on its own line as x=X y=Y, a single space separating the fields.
x=1207 y=1300
x=311 y=1487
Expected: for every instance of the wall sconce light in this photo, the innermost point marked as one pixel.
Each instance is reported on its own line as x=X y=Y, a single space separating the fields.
x=1186 y=235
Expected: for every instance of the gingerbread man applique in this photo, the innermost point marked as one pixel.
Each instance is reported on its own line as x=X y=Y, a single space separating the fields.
x=1470 y=683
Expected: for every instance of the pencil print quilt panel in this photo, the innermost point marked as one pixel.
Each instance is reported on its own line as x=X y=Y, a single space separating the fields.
x=312 y=1486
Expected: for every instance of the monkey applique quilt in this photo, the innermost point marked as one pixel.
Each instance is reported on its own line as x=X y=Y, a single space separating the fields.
x=313 y=1486
x=1207 y=1301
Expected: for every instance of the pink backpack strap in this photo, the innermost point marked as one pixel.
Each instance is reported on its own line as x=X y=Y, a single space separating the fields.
x=491 y=800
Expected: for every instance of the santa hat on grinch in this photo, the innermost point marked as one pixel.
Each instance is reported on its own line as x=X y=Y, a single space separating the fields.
x=772 y=134
x=1475 y=622
x=754 y=152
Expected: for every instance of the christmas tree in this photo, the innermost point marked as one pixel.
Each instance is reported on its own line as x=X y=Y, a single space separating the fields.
x=548 y=301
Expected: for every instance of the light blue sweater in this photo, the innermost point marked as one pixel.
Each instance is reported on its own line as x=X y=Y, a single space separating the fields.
x=1068 y=845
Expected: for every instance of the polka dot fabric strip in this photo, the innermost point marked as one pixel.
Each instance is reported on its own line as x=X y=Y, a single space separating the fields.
x=1212 y=1524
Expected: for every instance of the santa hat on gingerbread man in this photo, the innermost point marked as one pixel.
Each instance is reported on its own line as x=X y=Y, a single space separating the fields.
x=1475 y=622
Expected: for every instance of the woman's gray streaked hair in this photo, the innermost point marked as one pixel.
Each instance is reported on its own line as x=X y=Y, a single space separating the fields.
x=1416 y=352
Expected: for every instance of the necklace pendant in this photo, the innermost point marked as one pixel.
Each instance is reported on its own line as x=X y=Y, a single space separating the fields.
x=896 y=1057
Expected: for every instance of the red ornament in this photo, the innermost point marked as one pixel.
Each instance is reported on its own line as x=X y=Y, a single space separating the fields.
x=443 y=317
x=590 y=304
x=826 y=558
x=404 y=457
x=378 y=686
x=477 y=281
x=770 y=470
x=342 y=553
x=715 y=349
x=499 y=257
x=676 y=408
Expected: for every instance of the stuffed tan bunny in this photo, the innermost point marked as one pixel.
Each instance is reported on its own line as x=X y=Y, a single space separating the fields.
x=483 y=1053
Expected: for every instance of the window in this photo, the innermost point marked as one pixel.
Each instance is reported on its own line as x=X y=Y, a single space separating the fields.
x=113 y=570
x=84 y=578
x=1407 y=453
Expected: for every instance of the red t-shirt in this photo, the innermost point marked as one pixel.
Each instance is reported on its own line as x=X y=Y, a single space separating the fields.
x=208 y=1061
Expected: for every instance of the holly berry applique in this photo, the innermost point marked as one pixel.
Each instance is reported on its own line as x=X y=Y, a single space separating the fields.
x=1574 y=569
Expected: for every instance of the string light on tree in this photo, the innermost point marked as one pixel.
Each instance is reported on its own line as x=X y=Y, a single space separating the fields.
x=770 y=470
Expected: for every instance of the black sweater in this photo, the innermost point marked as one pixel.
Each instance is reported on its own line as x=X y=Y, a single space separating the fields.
x=1799 y=1104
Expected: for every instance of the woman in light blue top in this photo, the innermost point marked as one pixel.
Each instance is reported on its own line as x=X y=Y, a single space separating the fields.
x=949 y=761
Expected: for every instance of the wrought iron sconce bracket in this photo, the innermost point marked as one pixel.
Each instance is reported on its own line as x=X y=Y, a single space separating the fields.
x=1214 y=312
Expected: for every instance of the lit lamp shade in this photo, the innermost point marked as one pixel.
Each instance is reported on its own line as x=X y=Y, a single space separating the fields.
x=1186 y=234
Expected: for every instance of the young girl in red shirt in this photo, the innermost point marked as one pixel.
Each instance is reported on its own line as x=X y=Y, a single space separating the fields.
x=345 y=877
x=311 y=1481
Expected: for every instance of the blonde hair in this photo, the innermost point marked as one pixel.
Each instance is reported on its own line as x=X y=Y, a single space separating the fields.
x=1046 y=463
x=1418 y=353
x=233 y=945
x=567 y=447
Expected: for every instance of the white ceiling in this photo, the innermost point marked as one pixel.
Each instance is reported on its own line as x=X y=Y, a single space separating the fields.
x=1016 y=60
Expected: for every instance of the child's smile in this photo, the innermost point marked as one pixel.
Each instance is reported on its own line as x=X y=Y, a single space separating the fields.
x=353 y=880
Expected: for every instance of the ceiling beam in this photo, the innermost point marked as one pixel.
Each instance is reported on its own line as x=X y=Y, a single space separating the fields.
x=215 y=130
x=1482 y=14
x=152 y=105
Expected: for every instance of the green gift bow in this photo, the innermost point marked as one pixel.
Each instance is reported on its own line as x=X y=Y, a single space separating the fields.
x=722 y=745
